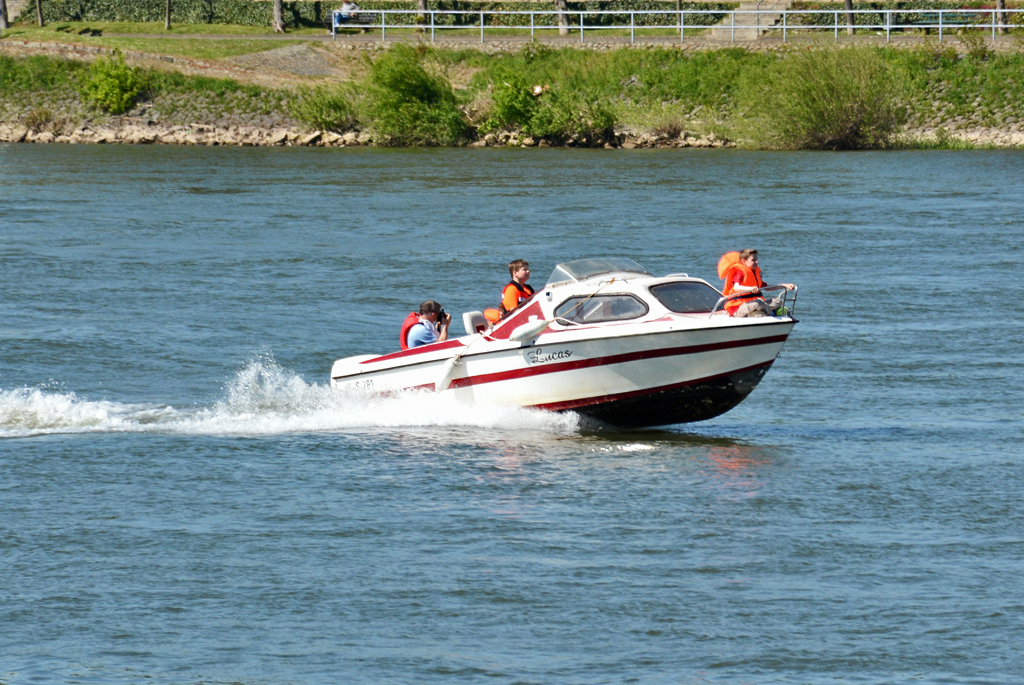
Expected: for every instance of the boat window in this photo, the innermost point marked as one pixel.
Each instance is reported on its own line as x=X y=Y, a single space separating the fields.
x=686 y=297
x=582 y=269
x=600 y=308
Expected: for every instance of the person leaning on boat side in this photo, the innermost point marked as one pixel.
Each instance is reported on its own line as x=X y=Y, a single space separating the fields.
x=430 y=327
x=745 y=276
x=517 y=291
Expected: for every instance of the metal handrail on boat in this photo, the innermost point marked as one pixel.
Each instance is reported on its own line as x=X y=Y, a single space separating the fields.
x=789 y=307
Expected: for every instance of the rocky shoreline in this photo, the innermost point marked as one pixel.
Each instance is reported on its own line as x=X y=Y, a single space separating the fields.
x=129 y=131
x=134 y=132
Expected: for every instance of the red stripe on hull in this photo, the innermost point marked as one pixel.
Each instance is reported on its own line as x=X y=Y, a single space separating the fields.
x=609 y=360
x=432 y=347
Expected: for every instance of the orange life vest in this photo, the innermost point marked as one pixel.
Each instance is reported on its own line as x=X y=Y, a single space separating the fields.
x=751 y=279
x=410 y=321
x=522 y=292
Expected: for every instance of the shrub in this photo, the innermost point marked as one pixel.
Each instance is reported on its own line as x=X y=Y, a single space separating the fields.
x=829 y=99
x=38 y=119
x=325 y=108
x=112 y=85
x=572 y=115
x=410 y=105
x=975 y=45
x=513 y=103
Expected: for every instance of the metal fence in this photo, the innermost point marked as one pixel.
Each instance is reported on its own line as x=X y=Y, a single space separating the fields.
x=779 y=22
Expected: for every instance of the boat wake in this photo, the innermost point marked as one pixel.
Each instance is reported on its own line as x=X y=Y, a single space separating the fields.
x=262 y=399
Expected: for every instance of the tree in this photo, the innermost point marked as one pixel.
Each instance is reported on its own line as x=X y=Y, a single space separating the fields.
x=849 y=17
x=3 y=15
x=167 y=17
x=278 y=16
x=1001 y=17
x=39 y=12
x=563 y=19
x=422 y=6
x=679 y=15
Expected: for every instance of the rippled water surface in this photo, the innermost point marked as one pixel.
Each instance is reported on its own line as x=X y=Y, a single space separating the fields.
x=183 y=498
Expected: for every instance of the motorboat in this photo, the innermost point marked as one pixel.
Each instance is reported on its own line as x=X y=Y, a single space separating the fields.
x=604 y=338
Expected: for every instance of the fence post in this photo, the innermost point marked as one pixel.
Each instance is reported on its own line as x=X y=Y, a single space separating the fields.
x=993 y=28
x=785 y=15
x=632 y=28
x=837 y=26
x=383 y=28
x=940 y=26
x=531 y=25
x=732 y=28
x=888 y=24
x=682 y=26
x=431 y=26
x=481 y=27
x=581 y=28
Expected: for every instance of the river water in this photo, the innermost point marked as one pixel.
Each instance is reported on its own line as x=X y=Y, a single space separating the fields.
x=183 y=499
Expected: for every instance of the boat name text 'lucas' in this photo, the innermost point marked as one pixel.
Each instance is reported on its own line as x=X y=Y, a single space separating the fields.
x=538 y=356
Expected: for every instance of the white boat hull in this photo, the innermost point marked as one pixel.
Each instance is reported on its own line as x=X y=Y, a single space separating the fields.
x=657 y=373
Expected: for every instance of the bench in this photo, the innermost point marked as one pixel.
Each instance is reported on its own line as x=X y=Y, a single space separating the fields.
x=355 y=20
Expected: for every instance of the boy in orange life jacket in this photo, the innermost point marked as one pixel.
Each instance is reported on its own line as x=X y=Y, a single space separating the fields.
x=517 y=291
x=745 y=276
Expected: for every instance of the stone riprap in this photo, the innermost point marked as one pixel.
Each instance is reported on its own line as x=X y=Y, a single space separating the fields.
x=131 y=131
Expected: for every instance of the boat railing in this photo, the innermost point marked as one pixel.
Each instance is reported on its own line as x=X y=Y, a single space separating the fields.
x=788 y=306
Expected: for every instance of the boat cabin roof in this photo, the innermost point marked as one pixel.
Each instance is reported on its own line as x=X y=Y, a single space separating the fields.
x=582 y=269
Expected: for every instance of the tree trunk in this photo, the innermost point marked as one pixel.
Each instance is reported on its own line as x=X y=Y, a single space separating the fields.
x=679 y=14
x=849 y=17
x=1001 y=16
x=167 y=17
x=39 y=12
x=421 y=5
x=563 y=19
x=3 y=15
x=278 y=16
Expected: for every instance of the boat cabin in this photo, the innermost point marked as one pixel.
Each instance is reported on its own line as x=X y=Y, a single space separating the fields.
x=605 y=290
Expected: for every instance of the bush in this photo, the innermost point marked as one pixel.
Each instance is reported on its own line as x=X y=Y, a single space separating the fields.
x=572 y=115
x=410 y=106
x=324 y=108
x=38 y=119
x=112 y=85
x=829 y=99
x=514 y=103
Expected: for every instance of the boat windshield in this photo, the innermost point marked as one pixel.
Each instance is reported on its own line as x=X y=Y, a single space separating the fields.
x=582 y=269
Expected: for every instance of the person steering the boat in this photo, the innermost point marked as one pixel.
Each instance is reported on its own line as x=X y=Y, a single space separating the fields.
x=430 y=326
x=744 y=276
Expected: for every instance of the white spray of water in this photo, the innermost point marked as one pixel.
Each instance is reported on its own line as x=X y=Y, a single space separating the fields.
x=262 y=399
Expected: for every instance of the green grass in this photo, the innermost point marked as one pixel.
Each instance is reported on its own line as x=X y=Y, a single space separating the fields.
x=28 y=74
x=96 y=34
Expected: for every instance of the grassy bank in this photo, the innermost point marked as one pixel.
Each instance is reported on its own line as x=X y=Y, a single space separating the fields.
x=803 y=98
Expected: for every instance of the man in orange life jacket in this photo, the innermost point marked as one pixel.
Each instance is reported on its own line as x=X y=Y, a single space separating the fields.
x=745 y=276
x=517 y=291
x=426 y=327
